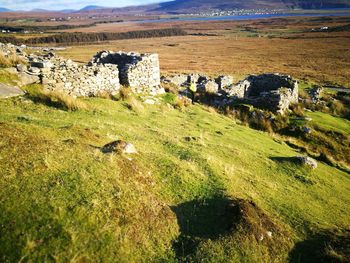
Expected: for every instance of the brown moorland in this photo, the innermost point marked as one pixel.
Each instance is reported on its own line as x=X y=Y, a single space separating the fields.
x=239 y=48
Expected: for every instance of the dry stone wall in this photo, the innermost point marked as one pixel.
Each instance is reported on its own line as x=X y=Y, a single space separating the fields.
x=77 y=80
x=105 y=72
x=141 y=72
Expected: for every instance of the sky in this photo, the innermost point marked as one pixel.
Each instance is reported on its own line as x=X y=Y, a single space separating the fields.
x=68 y=4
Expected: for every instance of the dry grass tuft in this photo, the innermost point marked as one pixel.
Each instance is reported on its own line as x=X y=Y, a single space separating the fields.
x=211 y=109
x=125 y=93
x=304 y=94
x=298 y=110
x=57 y=99
x=135 y=105
x=10 y=61
x=65 y=101
x=104 y=95
x=171 y=88
x=182 y=102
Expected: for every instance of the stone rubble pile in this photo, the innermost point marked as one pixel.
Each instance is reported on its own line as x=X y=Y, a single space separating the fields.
x=9 y=49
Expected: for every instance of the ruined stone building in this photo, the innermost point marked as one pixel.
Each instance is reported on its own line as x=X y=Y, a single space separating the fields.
x=135 y=70
x=104 y=73
x=274 y=92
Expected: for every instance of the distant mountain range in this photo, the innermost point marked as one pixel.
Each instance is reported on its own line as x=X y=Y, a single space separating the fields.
x=2 y=9
x=195 y=6
x=187 y=6
x=91 y=7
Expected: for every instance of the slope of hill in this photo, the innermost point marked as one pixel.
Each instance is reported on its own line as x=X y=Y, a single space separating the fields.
x=63 y=199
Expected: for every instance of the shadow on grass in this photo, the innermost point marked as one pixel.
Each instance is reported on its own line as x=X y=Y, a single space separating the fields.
x=208 y=218
x=294 y=167
x=282 y=160
x=322 y=247
x=200 y=220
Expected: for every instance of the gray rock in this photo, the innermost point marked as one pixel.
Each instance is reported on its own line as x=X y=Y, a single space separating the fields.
x=119 y=146
x=149 y=101
x=316 y=94
x=11 y=70
x=41 y=64
x=34 y=70
x=178 y=80
x=129 y=149
x=26 y=79
x=193 y=78
x=307 y=161
x=21 y=67
x=9 y=91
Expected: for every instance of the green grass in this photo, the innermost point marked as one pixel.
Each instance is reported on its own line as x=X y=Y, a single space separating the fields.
x=329 y=123
x=62 y=199
x=8 y=78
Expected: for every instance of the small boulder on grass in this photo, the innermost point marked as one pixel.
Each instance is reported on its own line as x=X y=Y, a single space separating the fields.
x=307 y=161
x=119 y=146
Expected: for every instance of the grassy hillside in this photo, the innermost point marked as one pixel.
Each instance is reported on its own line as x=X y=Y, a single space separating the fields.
x=62 y=199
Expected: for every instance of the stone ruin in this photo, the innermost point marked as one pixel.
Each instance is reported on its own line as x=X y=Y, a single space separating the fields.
x=203 y=83
x=78 y=80
x=106 y=72
x=136 y=70
x=274 y=92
